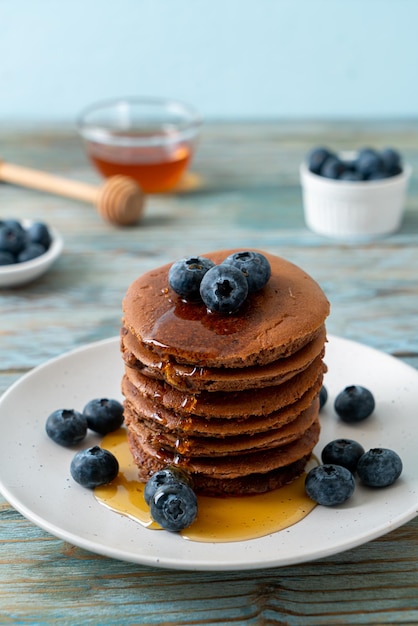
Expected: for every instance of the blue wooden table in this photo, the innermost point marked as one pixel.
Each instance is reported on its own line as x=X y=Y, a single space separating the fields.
x=247 y=194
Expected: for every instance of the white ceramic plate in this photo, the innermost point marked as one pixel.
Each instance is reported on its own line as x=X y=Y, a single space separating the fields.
x=22 y=273
x=35 y=479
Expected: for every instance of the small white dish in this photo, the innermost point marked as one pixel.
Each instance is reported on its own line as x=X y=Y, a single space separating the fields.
x=353 y=210
x=26 y=272
x=35 y=477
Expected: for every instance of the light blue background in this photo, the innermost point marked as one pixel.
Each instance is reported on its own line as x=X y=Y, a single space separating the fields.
x=232 y=59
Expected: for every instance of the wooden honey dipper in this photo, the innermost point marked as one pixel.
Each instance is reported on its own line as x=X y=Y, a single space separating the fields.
x=119 y=200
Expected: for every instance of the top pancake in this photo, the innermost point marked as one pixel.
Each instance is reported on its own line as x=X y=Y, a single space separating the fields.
x=274 y=322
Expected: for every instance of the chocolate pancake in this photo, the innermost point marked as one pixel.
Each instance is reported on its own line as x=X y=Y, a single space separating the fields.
x=227 y=405
x=178 y=442
x=195 y=379
x=253 y=472
x=138 y=407
x=276 y=321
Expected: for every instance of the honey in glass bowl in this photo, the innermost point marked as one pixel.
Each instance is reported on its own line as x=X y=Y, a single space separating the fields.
x=149 y=140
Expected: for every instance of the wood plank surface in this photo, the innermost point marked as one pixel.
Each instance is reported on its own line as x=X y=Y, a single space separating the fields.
x=247 y=194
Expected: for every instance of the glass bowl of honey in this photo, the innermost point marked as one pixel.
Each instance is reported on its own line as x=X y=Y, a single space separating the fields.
x=151 y=140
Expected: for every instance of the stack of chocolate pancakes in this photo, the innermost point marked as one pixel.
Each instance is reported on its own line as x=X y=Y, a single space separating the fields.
x=231 y=399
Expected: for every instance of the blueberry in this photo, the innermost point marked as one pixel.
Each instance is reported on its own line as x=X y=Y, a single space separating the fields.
x=165 y=476
x=38 y=232
x=354 y=403
x=174 y=506
x=103 y=415
x=316 y=159
x=253 y=265
x=31 y=251
x=345 y=452
x=186 y=275
x=94 y=467
x=6 y=258
x=332 y=168
x=323 y=397
x=224 y=289
x=378 y=175
x=369 y=162
x=66 y=427
x=329 y=484
x=13 y=223
x=395 y=172
x=391 y=161
x=379 y=467
x=12 y=238
x=351 y=175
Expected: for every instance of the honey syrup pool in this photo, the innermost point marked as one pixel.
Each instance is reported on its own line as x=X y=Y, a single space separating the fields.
x=218 y=519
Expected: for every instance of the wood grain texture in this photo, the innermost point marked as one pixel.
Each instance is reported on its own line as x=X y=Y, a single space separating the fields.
x=249 y=196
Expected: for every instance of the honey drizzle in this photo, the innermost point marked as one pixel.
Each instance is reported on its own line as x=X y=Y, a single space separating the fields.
x=219 y=519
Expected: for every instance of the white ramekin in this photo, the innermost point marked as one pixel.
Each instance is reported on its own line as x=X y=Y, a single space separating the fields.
x=352 y=209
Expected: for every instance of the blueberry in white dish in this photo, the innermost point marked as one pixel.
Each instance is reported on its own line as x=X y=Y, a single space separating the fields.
x=19 y=244
x=351 y=175
x=103 y=415
x=38 y=232
x=13 y=238
x=317 y=157
x=369 y=164
x=67 y=427
x=392 y=161
x=7 y=258
x=29 y=252
x=94 y=467
x=379 y=467
x=333 y=168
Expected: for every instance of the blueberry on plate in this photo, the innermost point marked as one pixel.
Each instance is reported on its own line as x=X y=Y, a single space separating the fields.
x=185 y=276
x=94 y=467
x=31 y=251
x=354 y=404
x=167 y=475
x=323 y=397
x=379 y=467
x=66 y=427
x=224 y=289
x=329 y=484
x=345 y=452
x=316 y=159
x=103 y=415
x=255 y=267
x=174 y=506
